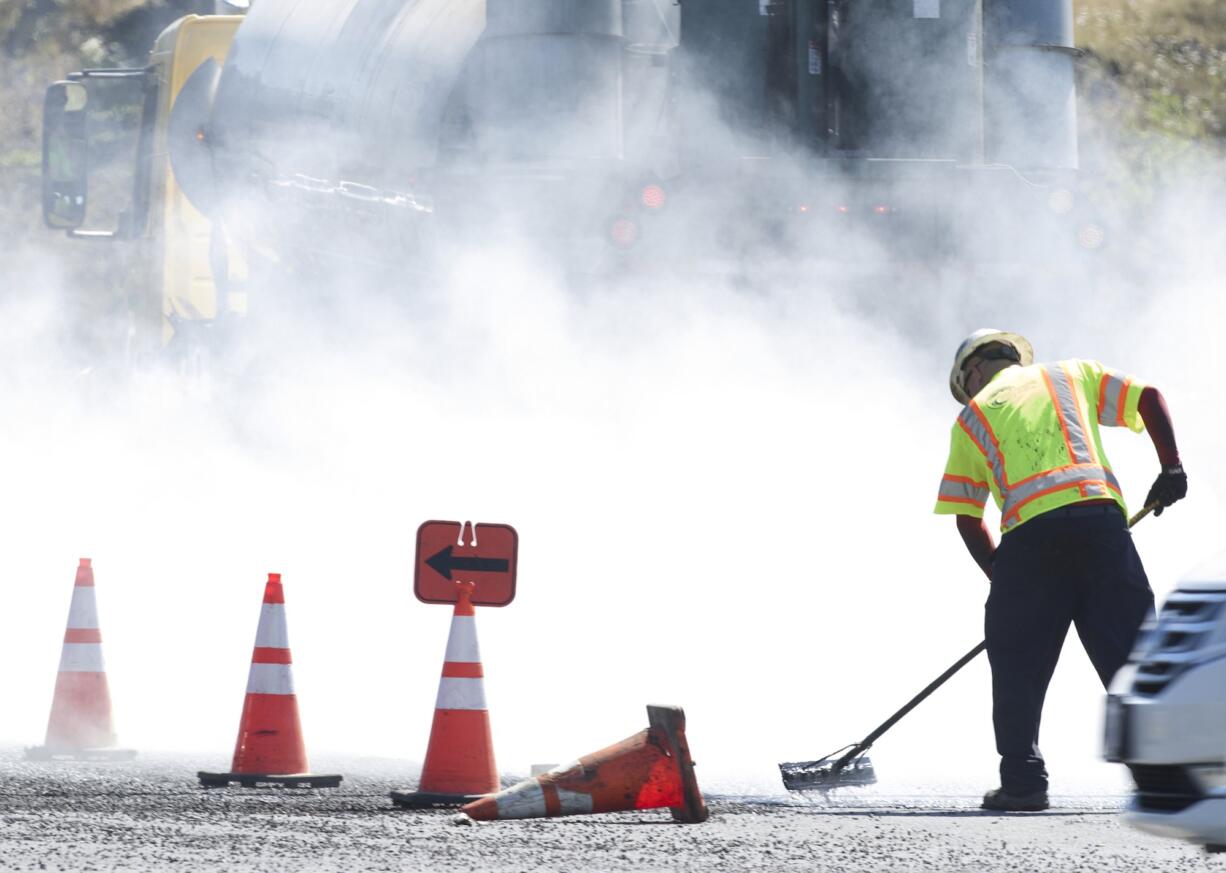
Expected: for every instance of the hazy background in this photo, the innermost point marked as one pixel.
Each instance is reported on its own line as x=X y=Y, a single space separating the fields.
x=723 y=496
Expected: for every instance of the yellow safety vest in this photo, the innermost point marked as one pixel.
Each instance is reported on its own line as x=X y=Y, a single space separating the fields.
x=1030 y=437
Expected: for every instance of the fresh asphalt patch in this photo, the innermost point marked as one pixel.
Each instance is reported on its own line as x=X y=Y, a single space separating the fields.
x=151 y=815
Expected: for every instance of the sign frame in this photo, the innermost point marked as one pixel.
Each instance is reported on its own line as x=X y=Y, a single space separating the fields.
x=450 y=551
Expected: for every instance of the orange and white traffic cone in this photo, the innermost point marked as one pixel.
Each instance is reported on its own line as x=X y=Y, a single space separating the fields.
x=270 y=749
x=81 y=725
x=649 y=770
x=460 y=756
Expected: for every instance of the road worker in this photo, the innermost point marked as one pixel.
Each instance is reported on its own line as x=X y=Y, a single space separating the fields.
x=1029 y=437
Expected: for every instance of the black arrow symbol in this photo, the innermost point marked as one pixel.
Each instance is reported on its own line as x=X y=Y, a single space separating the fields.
x=444 y=562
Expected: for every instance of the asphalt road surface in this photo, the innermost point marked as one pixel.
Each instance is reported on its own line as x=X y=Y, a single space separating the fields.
x=150 y=815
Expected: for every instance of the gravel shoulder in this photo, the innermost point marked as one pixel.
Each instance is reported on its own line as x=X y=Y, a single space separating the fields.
x=150 y=815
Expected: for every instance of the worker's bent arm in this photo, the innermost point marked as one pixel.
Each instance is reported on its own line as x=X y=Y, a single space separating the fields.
x=1157 y=418
x=978 y=542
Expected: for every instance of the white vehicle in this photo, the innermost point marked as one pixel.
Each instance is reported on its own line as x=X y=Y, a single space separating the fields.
x=1166 y=716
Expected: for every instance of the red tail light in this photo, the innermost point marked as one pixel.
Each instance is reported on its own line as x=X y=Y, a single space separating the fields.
x=623 y=233
x=1091 y=236
x=653 y=197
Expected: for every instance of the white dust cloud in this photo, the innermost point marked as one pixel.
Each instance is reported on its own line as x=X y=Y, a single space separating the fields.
x=723 y=496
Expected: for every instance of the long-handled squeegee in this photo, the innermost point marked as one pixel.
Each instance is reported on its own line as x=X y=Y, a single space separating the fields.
x=852 y=765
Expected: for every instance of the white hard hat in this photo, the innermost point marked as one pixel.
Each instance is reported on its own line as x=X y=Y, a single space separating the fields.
x=973 y=343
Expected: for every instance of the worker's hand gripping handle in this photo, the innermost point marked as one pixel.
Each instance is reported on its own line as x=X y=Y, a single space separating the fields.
x=1170 y=486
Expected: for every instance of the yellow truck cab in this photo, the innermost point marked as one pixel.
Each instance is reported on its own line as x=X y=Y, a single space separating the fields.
x=107 y=130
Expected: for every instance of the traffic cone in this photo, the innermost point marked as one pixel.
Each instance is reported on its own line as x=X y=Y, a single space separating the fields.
x=80 y=725
x=270 y=749
x=649 y=770
x=460 y=756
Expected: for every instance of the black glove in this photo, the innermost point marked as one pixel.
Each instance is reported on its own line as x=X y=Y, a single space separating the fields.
x=1171 y=485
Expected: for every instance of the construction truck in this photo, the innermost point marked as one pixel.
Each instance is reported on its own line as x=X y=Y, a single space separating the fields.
x=107 y=179
x=358 y=147
x=1166 y=715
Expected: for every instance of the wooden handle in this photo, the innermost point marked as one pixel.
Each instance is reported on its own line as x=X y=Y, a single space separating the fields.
x=1144 y=512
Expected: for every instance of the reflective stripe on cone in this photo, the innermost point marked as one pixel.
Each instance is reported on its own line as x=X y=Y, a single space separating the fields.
x=270 y=679
x=460 y=694
x=83 y=611
x=462 y=646
x=271 y=632
x=81 y=658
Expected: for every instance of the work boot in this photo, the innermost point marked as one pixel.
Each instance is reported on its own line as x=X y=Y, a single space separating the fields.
x=1001 y=801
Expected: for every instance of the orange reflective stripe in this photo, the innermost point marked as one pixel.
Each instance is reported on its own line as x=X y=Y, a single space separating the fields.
x=983 y=419
x=966 y=479
x=1044 y=473
x=1013 y=513
x=975 y=439
x=1056 y=470
x=1063 y=392
x=963 y=489
x=1055 y=402
x=967 y=500
x=1014 y=510
x=1120 y=403
x=1113 y=399
x=1079 y=476
x=975 y=423
x=1082 y=423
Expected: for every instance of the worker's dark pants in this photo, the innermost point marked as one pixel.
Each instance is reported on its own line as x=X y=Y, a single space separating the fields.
x=1071 y=565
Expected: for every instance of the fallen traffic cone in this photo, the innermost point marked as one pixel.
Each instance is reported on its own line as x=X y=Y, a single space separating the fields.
x=270 y=749
x=649 y=770
x=460 y=756
x=80 y=725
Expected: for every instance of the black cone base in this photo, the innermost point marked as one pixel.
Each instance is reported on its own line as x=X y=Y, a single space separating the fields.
x=52 y=753
x=428 y=800
x=251 y=780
